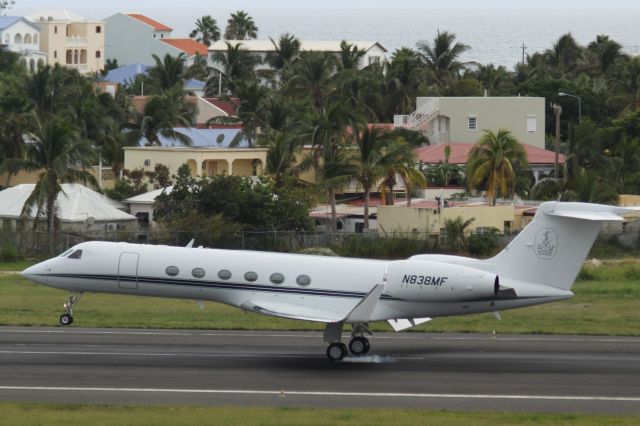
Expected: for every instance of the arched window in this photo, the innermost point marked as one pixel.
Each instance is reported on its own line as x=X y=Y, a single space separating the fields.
x=27 y=38
x=35 y=38
x=17 y=39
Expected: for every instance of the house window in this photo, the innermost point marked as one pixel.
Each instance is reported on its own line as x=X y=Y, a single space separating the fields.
x=55 y=54
x=374 y=60
x=532 y=123
x=97 y=54
x=55 y=29
x=98 y=29
x=472 y=122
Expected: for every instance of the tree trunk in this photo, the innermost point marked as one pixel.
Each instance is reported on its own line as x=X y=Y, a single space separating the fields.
x=51 y=217
x=367 y=194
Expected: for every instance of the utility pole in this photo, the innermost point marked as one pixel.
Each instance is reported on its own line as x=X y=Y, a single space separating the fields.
x=557 y=110
x=524 y=47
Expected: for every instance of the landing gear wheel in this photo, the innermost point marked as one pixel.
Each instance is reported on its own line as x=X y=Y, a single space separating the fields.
x=359 y=345
x=66 y=319
x=336 y=351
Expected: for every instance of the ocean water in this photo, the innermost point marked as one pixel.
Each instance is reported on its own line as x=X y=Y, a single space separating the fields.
x=494 y=36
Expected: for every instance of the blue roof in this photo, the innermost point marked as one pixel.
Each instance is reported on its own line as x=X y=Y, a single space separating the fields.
x=207 y=138
x=7 y=21
x=126 y=74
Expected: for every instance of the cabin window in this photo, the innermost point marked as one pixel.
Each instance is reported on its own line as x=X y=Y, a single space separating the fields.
x=172 y=271
x=277 y=278
x=75 y=255
x=251 y=276
x=66 y=253
x=224 y=274
x=303 y=280
x=198 y=272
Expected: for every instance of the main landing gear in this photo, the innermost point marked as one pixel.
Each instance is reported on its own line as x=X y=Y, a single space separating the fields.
x=67 y=317
x=358 y=346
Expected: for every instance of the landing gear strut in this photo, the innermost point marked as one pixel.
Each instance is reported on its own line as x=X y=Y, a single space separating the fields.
x=359 y=345
x=67 y=317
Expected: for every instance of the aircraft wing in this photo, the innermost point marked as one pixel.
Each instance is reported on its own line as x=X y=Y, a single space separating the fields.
x=291 y=311
x=360 y=313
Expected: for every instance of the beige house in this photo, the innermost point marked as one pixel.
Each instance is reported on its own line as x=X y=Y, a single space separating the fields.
x=427 y=218
x=462 y=119
x=71 y=40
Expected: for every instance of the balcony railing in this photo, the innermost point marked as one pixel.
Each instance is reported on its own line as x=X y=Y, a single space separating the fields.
x=77 y=42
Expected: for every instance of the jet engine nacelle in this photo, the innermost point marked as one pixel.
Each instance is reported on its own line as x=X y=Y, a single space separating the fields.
x=423 y=280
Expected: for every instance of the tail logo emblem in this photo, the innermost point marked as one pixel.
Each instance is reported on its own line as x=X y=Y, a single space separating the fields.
x=546 y=243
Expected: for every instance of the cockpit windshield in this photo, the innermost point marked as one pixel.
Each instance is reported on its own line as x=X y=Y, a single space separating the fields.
x=65 y=253
x=75 y=255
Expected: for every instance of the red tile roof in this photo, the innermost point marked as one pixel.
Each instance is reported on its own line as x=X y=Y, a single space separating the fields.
x=434 y=154
x=155 y=24
x=230 y=106
x=187 y=45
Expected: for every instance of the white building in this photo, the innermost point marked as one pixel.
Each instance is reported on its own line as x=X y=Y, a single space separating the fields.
x=21 y=36
x=78 y=209
x=462 y=119
x=133 y=38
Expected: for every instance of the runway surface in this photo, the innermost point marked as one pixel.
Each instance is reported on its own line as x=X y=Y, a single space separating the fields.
x=434 y=371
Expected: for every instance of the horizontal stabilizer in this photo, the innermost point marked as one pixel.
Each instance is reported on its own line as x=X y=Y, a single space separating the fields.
x=585 y=211
x=404 y=323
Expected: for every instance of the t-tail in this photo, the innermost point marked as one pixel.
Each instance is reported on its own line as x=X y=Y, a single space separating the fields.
x=553 y=247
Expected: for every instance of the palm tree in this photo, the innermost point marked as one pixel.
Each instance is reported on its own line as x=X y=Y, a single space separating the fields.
x=565 y=54
x=402 y=164
x=455 y=231
x=160 y=115
x=442 y=57
x=252 y=97
x=349 y=56
x=240 y=27
x=313 y=77
x=168 y=72
x=15 y=120
x=404 y=79
x=492 y=161
x=286 y=51
x=284 y=149
x=607 y=51
x=206 y=30
x=58 y=153
x=492 y=79
x=236 y=64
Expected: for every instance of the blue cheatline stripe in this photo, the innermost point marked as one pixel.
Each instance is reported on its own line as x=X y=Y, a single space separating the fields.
x=222 y=285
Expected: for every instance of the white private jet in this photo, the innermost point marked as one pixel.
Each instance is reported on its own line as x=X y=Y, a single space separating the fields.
x=538 y=266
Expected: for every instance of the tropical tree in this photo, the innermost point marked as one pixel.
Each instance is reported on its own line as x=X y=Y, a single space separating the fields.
x=237 y=64
x=284 y=149
x=441 y=57
x=312 y=77
x=402 y=164
x=455 y=232
x=404 y=80
x=606 y=52
x=349 y=56
x=57 y=152
x=206 y=30
x=160 y=115
x=15 y=120
x=240 y=26
x=565 y=54
x=168 y=72
x=286 y=50
x=252 y=96
x=492 y=162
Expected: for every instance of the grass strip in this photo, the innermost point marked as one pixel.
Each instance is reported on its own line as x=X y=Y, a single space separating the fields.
x=28 y=414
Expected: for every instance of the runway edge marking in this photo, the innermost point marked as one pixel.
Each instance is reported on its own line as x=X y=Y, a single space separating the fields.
x=321 y=393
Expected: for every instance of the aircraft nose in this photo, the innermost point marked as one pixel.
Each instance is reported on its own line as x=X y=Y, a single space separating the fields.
x=37 y=273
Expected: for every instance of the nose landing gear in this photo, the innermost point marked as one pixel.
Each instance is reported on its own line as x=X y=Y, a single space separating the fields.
x=67 y=317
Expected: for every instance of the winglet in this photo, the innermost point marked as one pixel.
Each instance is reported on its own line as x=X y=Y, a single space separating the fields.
x=363 y=310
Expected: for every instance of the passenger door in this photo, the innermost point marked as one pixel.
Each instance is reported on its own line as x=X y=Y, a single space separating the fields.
x=128 y=270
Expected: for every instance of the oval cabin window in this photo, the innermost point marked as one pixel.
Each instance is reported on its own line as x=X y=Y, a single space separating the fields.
x=251 y=276
x=224 y=274
x=172 y=271
x=303 y=280
x=277 y=278
x=198 y=272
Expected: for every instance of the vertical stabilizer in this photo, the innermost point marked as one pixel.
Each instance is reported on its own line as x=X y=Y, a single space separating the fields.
x=552 y=248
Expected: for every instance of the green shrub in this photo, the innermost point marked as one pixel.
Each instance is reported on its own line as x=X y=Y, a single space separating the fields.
x=383 y=248
x=9 y=253
x=485 y=244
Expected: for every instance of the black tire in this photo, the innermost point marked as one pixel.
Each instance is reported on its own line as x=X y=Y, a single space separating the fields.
x=359 y=345
x=336 y=352
x=66 y=319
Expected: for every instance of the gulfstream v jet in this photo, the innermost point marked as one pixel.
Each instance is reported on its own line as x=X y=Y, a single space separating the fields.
x=538 y=266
